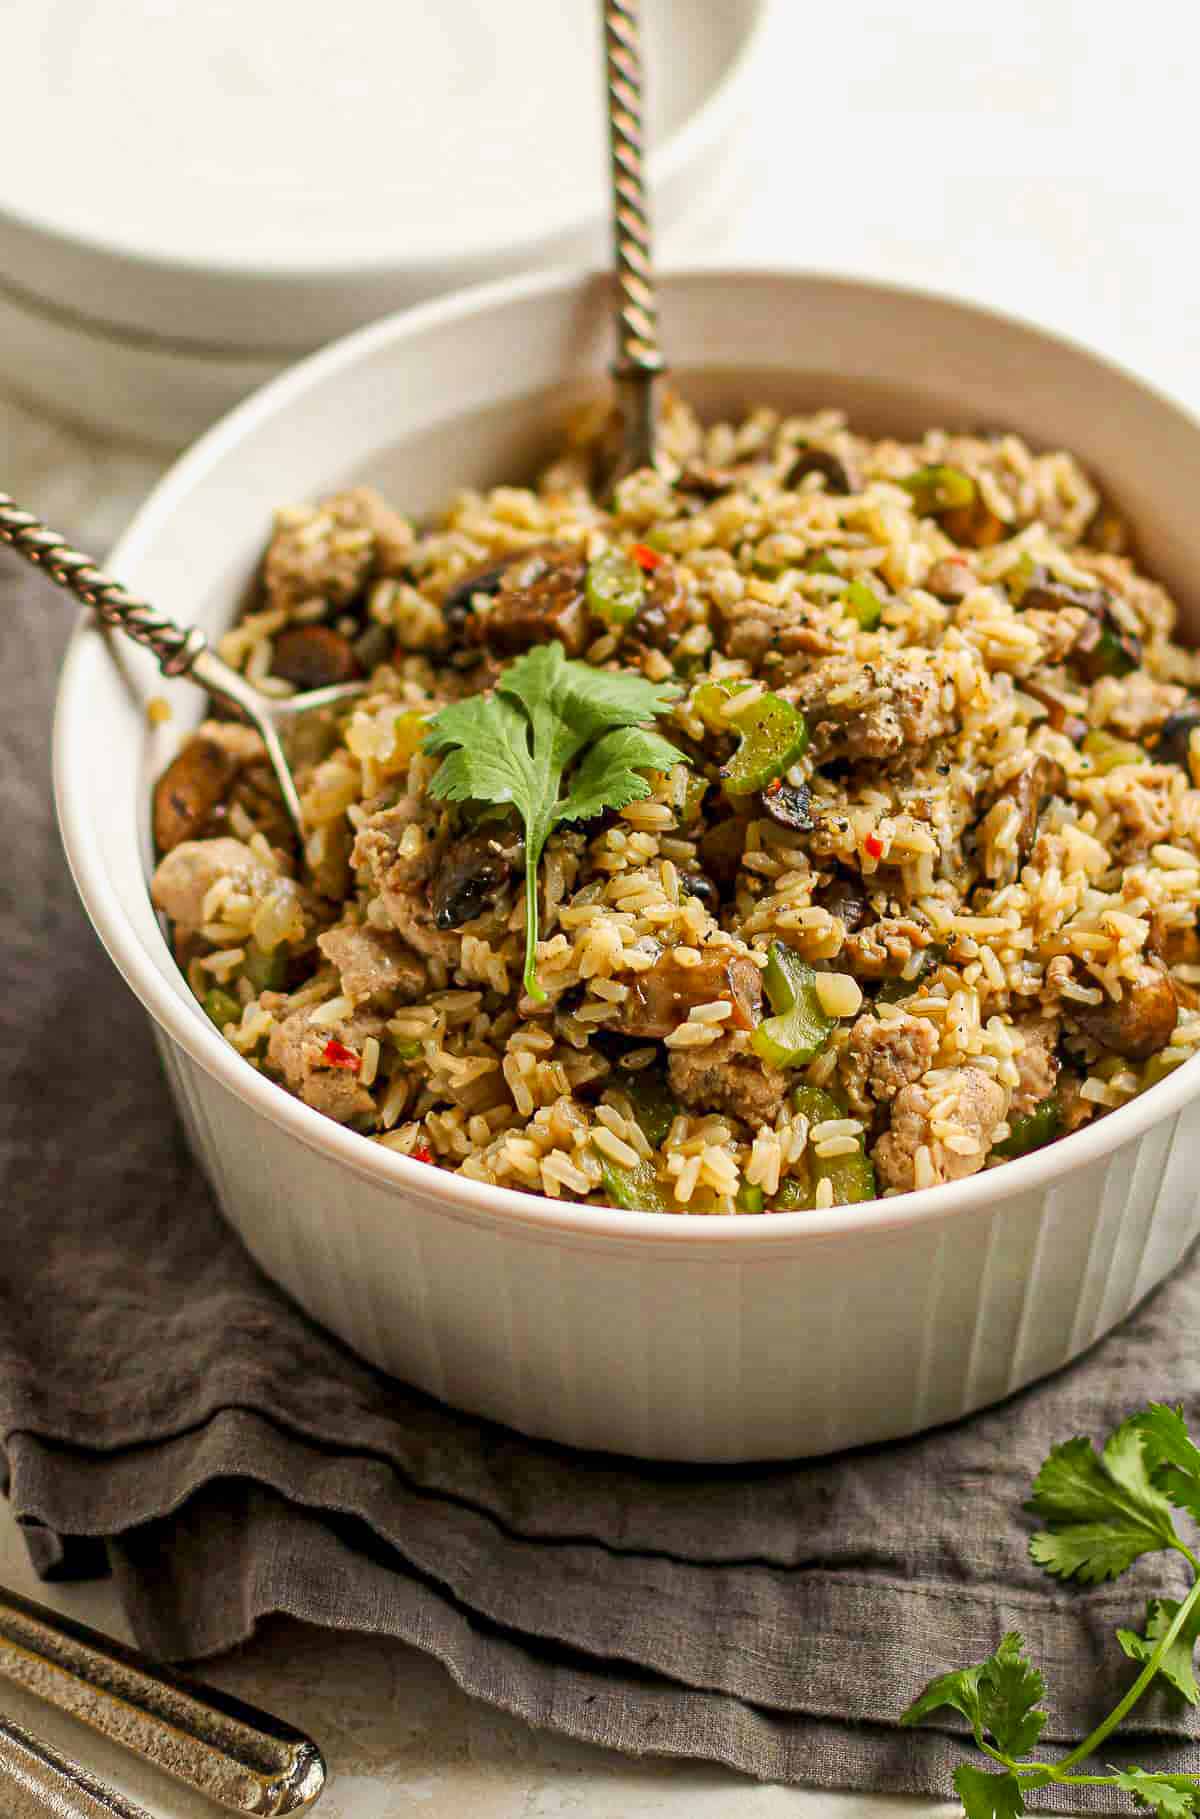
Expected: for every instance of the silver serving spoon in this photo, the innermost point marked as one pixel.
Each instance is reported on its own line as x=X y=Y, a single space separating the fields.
x=180 y=650
x=639 y=359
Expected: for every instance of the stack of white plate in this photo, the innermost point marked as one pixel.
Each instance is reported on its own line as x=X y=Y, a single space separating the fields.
x=193 y=196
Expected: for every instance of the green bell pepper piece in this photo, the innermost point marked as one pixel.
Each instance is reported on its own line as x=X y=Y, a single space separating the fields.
x=265 y=971
x=939 y=489
x=816 y=1104
x=1162 y=1064
x=1031 y=1130
x=222 y=1007
x=637 y=1189
x=772 y=735
x=852 y=1176
x=615 y=587
x=865 y=605
x=821 y=564
x=749 y=1198
x=653 y=1106
x=1111 y=655
x=799 y=1029
x=409 y=1051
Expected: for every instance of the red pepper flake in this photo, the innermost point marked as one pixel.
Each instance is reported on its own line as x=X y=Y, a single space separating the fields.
x=773 y=788
x=646 y=558
x=338 y=1055
x=422 y=1153
x=873 y=845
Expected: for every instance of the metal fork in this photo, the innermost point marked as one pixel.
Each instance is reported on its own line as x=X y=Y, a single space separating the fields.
x=179 y=650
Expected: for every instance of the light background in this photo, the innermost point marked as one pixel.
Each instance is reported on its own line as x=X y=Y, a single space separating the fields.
x=1038 y=156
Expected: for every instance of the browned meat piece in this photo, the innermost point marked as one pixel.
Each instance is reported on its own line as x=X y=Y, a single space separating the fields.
x=539 y=598
x=1139 y=1022
x=400 y=850
x=1058 y=632
x=750 y=628
x=189 y=871
x=1038 y=779
x=1075 y=1109
x=1037 y=1065
x=728 y=1077
x=373 y=963
x=1175 y=943
x=301 y=1053
x=951 y=580
x=979 y=1109
x=356 y=536
x=837 y=476
x=313 y=656
x=663 y=616
x=884 y=949
x=472 y=872
x=870 y=711
x=189 y=792
x=660 y=998
x=1092 y=654
x=844 y=896
x=884 y=1057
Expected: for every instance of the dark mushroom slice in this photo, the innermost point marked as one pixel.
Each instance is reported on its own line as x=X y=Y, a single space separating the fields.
x=471 y=873
x=313 y=656
x=835 y=473
x=540 y=599
x=695 y=884
x=707 y=480
x=721 y=847
x=790 y=805
x=1044 y=592
x=457 y=606
x=951 y=580
x=845 y=896
x=190 y=791
x=1031 y=789
x=1104 y=649
x=663 y=615
x=1175 y=741
x=1058 y=714
x=1139 y=1022
x=660 y=999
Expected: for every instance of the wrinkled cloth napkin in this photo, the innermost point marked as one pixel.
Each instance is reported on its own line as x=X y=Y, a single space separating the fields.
x=167 y=1414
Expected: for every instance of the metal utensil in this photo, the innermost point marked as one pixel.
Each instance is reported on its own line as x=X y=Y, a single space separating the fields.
x=639 y=359
x=180 y=650
x=241 y=1758
x=41 y=1784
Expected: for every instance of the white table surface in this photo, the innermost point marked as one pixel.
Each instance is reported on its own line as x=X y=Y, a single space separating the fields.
x=1037 y=157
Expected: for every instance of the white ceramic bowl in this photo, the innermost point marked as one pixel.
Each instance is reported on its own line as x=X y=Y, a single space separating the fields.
x=669 y=1337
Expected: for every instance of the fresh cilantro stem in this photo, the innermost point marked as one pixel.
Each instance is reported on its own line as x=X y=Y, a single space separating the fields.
x=531 y=925
x=1091 y=1744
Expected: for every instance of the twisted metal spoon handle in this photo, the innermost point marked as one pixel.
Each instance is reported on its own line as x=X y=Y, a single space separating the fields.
x=639 y=358
x=176 y=647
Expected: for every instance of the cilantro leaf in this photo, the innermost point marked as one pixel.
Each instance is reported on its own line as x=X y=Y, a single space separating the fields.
x=1175 y=1796
x=1176 y=1665
x=998 y=1697
x=1173 y=1456
x=1102 y=1512
x=987 y=1796
x=516 y=744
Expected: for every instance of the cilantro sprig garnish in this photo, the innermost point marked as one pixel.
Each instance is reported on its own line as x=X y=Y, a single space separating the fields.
x=1102 y=1511
x=548 y=717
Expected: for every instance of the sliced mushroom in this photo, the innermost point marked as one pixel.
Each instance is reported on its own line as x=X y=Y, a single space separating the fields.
x=660 y=999
x=456 y=607
x=844 y=896
x=706 y=480
x=951 y=580
x=1030 y=789
x=189 y=791
x=313 y=656
x=1175 y=741
x=1045 y=592
x=837 y=476
x=790 y=805
x=663 y=615
x=1139 y=1022
x=695 y=884
x=471 y=873
x=540 y=598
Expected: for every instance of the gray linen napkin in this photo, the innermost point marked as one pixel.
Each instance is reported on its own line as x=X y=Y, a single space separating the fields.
x=167 y=1413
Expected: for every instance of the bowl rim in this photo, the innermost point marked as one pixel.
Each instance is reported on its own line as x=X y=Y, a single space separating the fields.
x=180 y=1017
x=701 y=130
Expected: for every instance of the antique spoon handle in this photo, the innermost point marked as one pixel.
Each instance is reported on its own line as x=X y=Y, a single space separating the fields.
x=41 y=1784
x=175 y=646
x=239 y=1757
x=639 y=359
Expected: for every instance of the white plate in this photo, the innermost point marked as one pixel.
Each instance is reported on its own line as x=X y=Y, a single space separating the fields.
x=220 y=188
